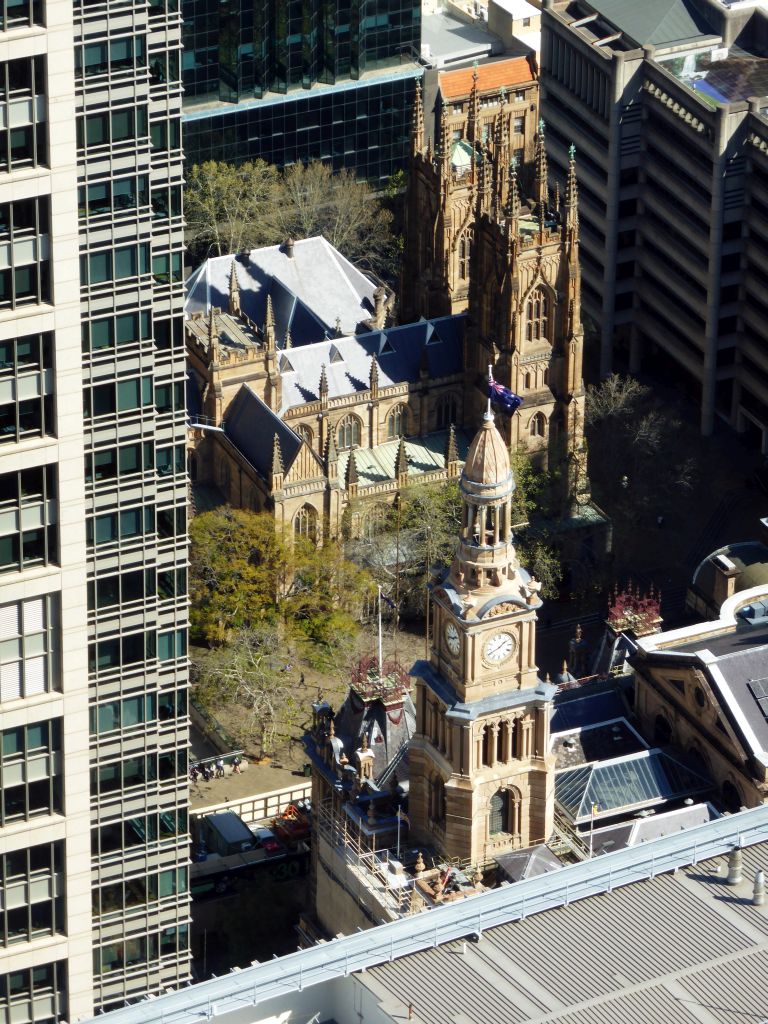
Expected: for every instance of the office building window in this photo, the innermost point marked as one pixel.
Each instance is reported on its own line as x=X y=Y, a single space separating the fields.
x=33 y=893
x=26 y=388
x=34 y=993
x=123 y=195
x=30 y=766
x=115 y=55
x=109 y=332
x=123 y=396
x=24 y=253
x=28 y=516
x=24 y=135
x=124 y=588
x=28 y=648
x=15 y=13
x=112 y=127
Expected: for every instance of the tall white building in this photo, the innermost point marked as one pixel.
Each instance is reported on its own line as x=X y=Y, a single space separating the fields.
x=93 y=608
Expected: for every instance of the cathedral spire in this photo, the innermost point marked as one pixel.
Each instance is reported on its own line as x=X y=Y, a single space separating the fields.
x=417 y=123
x=542 y=185
x=473 y=123
x=234 y=290
x=401 y=463
x=572 y=193
x=269 y=324
x=350 y=477
x=323 y=387
x=278 y=468
x=373 y=376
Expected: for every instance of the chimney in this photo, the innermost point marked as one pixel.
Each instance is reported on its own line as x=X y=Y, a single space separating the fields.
x=726 y=574
x=289 y=247
x=380 y=306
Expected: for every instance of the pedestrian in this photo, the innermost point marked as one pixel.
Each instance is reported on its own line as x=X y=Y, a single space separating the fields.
x=301 y=681
x=220 y=768
x=236 y=769
x=659 y=521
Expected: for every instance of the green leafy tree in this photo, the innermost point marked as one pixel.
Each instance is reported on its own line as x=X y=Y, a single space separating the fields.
x=226 y=207
x=238 y=564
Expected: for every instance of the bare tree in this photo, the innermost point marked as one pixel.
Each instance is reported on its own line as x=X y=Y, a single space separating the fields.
x=226 y=206
x=249 y=674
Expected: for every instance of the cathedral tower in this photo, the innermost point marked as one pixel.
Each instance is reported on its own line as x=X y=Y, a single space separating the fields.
x=481 y=775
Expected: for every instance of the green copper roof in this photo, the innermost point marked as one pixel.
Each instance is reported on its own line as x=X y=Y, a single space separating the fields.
x=425 y=454
x=655 y=22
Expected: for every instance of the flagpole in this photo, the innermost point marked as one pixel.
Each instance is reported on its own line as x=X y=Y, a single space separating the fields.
x=398 y=833
x=488 y=413
x=381 y=660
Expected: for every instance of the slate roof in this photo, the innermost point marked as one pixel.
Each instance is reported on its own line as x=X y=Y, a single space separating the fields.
x=656 y=22
x=582 y=712
x=386 y=728
x=251 y=426
x=736 y=664
x=309 y=290
x=347 y=361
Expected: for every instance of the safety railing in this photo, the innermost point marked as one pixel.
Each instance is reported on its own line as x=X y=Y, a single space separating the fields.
x=471 y=916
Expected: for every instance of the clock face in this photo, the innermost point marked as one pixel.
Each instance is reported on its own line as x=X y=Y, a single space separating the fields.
x=452 y=638
x=498 y=647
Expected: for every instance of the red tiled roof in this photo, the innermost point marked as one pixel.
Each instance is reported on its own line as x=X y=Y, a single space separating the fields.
x=514 y=71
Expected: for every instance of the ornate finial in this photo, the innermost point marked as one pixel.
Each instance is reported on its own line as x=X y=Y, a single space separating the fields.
x=542 y=126
x=277 y=457
x=337 y=326
x=417 y=123
x=401 y=462
x=451 y=451
x=351 y=478
x=331 y=452
x=269 y=324
x=474 y=69
x=364 y=741
x=513 y=198
x=572 y=192
x=288 y=343
x=373 y=376
x=503 y=95
x=213 y=330
x=234 y=290
x=323 y=389
x=542 y=186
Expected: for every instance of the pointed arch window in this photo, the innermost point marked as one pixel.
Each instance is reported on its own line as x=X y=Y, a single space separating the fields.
x=447 y=411
x=305 y=433
x=348 y=433
x=305 y=523
x=537 y=316
x=397 y=422
x=465 y=254
x=538 y=425
x=527 y=381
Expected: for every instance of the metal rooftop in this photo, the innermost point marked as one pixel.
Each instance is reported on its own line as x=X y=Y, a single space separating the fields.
x=580 y=955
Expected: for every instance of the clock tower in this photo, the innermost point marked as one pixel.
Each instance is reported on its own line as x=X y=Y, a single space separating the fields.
x=481 y=776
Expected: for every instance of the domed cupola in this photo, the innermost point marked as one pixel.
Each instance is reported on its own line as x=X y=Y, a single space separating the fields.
x=486 y=557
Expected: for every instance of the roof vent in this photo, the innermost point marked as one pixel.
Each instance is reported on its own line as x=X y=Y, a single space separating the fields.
x=335 y=356
x=288 y=247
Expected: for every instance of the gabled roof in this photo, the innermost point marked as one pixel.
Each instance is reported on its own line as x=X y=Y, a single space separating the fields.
x=490 y=77
x=424 y=454
x=656 y=22
x=347 y=361
x=311 y=290
x=251 y=426
x=627 y=783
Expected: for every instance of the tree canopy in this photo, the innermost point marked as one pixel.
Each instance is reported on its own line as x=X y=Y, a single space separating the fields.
x=231 y=209
x=246 y=575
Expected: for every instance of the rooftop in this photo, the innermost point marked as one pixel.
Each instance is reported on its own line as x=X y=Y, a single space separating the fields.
x=315 y=290
x=446 y=40
x=491 y=77
x=721 y=76
x=652 y=22
x=547 y=950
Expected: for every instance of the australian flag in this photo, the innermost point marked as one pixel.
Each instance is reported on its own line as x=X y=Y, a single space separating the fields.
x=507 y=400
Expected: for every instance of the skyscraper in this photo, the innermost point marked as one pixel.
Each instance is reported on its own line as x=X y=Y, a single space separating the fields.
x=93 y=716
x=297 y=81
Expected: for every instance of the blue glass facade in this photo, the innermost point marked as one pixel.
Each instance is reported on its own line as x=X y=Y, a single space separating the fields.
x=242 y=56
x=363 y=126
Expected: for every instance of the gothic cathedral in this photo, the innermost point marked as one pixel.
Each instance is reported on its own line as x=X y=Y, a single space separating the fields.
x=481 y=775
x=477 y=243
